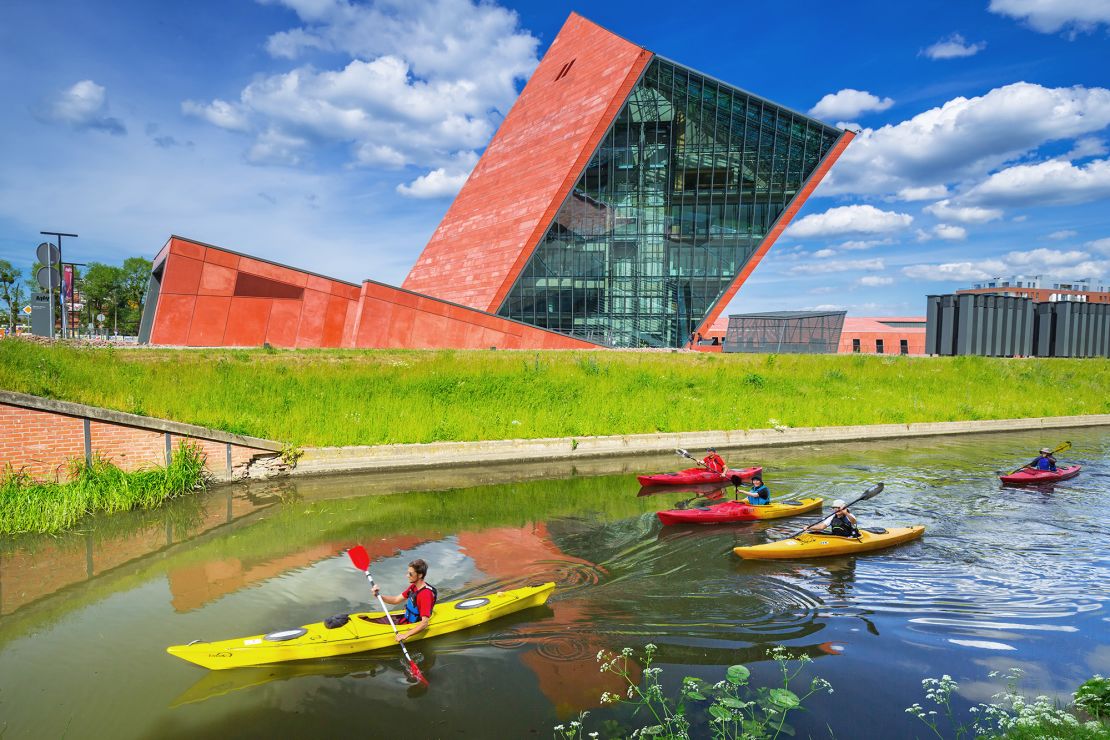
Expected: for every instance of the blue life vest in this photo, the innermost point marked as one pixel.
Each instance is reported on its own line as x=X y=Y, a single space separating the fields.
x=1044 y=463
x=759 y=496
x=412 y=612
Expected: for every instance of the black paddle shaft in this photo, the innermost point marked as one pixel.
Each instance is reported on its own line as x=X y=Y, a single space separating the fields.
x=872 y=492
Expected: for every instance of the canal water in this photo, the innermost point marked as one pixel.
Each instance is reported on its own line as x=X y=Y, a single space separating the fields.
x=1003 y=578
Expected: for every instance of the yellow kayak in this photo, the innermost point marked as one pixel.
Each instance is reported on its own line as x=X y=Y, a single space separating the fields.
x=820 y=544
x=358 y=634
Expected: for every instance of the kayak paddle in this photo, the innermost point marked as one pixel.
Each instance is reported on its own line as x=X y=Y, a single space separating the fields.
x=1061 y=448
x=361 y=560
x=871 y=492
x=684 y=453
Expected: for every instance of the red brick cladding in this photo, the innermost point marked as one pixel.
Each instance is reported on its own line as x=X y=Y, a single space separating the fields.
x=42 y=443
x=772 y=235
x=868 y=330
x=393 y=317
x=198 y=307
x=529 y=168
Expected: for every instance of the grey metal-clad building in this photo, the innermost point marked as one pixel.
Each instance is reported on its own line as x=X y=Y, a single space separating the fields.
x=797 y=332
x=1008 y=326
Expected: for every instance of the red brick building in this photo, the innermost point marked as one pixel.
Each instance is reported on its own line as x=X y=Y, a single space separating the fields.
x=622 y=203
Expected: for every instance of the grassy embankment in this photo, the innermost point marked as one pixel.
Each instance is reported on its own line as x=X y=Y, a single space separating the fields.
x=352 y=397
x=27 y=505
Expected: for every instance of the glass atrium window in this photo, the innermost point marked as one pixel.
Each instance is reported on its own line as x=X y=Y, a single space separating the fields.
x=678 y=196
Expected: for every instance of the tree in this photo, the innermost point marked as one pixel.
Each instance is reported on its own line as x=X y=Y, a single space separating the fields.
x=11 y=291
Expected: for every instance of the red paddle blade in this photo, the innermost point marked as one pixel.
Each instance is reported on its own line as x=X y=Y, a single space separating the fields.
x=359 y=557
x=415 y=671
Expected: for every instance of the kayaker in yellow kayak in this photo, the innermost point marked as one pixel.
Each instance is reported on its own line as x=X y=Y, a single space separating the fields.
x=842 y=523
x=760 y=495
x=419 y=600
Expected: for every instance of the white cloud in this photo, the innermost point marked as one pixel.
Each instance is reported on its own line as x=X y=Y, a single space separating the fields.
x=849 y=103
x=823 y=253
x=874 y=281
x=1099 y=245
x=966 y=138
x=422 y=85
x=927 y=192
x=861 y=244
x=813 y=268
x=945 y=209
x=1050 y=16
x=1088 y=146
x=953 y=47
x=1057 y=263
x=275 y=147
x=84 y=107
x=957 y=271
x=1047 y=183
x=436 y=184
x=1063 y=234
x=855 y=219
x=826 y=307
x=218 y=113
x=950 y=233
x=1044 y=259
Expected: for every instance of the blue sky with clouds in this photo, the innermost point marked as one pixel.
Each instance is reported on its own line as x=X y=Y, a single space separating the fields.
x=332 y=134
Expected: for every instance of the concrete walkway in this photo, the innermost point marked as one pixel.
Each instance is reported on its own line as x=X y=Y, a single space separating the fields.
x=319 y=460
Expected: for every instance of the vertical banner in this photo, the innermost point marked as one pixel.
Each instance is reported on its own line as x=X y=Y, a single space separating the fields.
x=67 y=282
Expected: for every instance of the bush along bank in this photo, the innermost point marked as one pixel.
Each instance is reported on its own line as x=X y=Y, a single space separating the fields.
x=46 y=508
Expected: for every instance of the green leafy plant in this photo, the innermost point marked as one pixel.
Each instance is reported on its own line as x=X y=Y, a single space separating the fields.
x=290 y=454
x=732 y=707
x=1093 y=697
x=1011 y=714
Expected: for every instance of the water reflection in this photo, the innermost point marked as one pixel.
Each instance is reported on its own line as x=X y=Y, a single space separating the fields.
x=1001 y=575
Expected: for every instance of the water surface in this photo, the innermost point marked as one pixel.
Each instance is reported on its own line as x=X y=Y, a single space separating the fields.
x=1002 y=578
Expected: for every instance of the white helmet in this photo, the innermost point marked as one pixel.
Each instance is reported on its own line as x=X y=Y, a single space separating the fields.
x=838 y=504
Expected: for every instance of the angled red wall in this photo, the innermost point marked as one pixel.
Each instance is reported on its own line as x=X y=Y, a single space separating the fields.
x=529 y=168
x=398 y=318
x=198 y=304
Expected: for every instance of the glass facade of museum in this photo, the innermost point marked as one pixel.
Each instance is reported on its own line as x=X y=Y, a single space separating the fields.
x=672 y=205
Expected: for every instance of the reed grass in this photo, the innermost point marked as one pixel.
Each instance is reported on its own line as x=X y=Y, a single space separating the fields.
x=365 y=397
x=29 y=506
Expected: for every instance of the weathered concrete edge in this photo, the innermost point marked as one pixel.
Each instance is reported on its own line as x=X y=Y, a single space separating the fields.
x=319 y=460
x=134 y=420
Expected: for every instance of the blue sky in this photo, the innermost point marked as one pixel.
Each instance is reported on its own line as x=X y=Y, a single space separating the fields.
x=331 y=135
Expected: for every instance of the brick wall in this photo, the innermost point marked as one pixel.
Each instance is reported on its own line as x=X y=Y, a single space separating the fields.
x=43 y=442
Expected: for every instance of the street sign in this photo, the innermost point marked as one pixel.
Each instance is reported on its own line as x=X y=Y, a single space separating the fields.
x=49 y=277
x=47 y=254
x=27 y=310
x=100 y=317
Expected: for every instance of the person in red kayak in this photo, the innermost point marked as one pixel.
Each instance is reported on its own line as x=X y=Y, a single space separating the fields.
x=713 y=461
x=419 y=600
x=1045 y=462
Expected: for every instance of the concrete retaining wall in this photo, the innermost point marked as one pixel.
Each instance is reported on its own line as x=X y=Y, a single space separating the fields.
x=42 y=437
x=318 y=460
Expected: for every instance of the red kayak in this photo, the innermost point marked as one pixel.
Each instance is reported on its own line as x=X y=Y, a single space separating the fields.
x=1031 y=475
x=693 y=476
x=737 y=511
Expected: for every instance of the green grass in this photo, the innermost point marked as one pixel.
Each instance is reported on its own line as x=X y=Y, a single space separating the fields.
x=353 y=397
x=28 y=506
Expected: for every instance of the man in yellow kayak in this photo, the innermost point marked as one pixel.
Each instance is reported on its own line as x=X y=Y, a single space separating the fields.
x=419 y=600
x=842 y=523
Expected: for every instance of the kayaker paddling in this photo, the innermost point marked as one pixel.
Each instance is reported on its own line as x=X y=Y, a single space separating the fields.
x=760 y=495
x=713 y=461
x=842 y=523
x=419 y=600
x=1045 y=461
